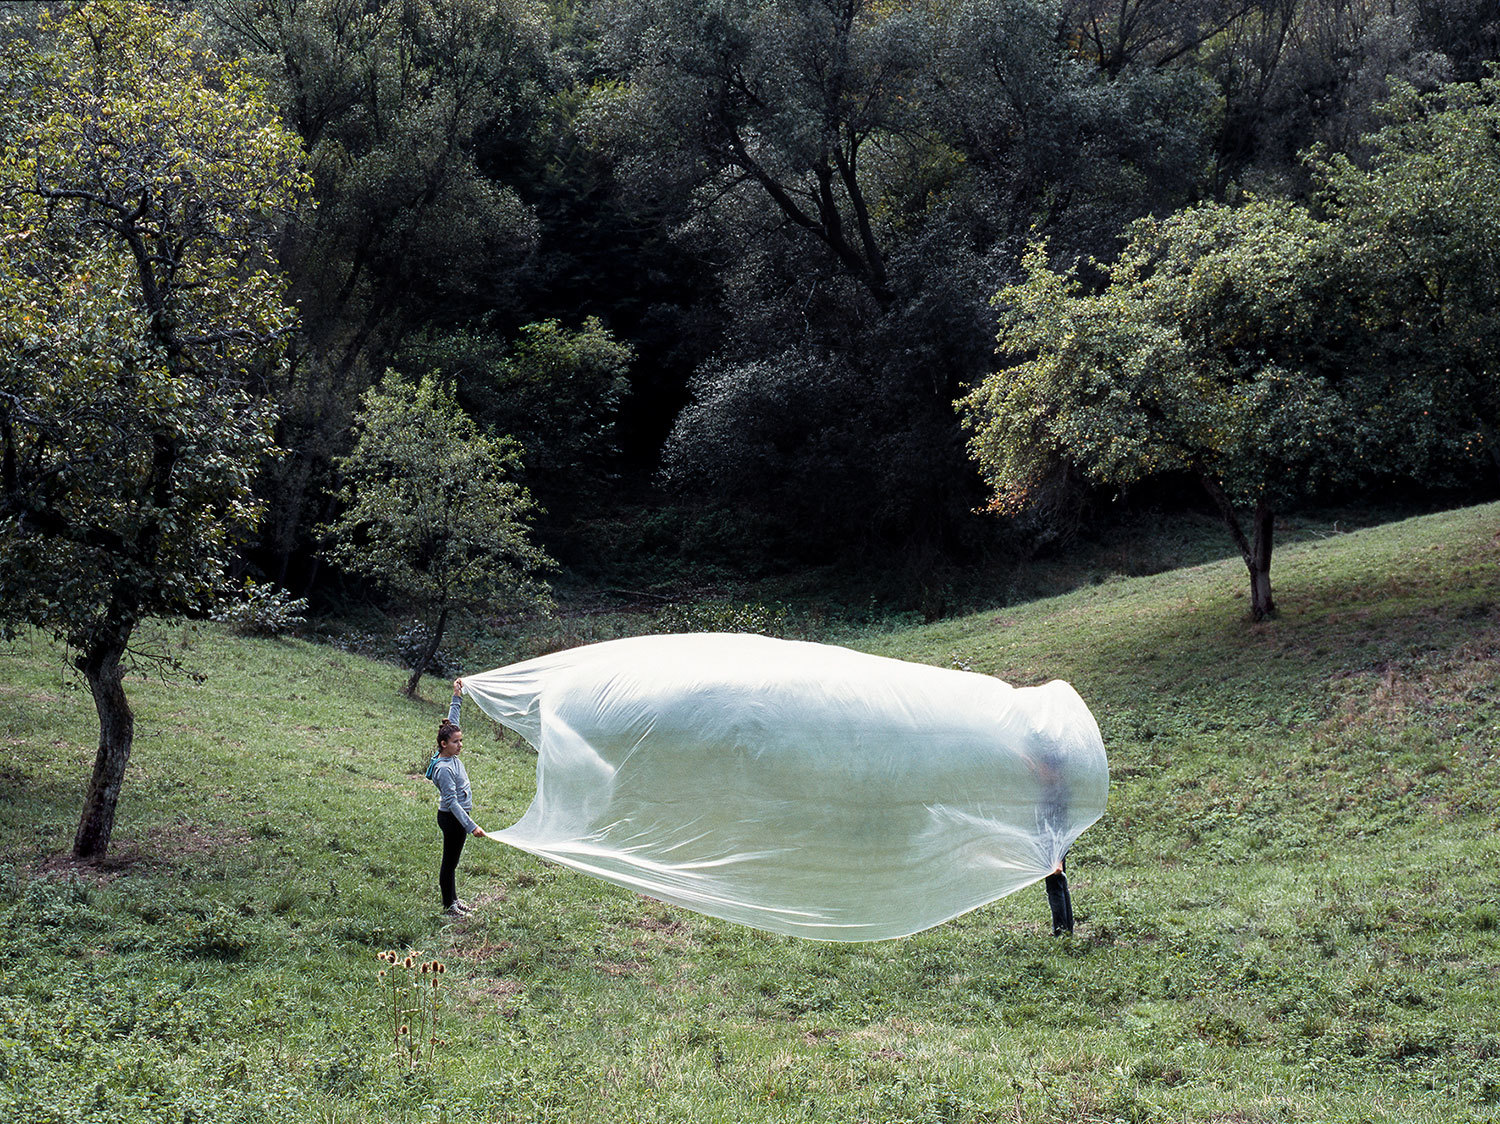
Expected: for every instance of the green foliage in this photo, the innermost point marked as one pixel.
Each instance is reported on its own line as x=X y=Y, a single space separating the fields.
x=392 y=99
x=1268 y=352
x=865 y=170
x=793 y=212
x=555 y=391
x=218 y=932
x=1194 y=359
x=1419 y=228
x=1204 y=357
x=142 y=186
x=397 y=103
x=140 y=189
x=431 y=510
x=726 y=616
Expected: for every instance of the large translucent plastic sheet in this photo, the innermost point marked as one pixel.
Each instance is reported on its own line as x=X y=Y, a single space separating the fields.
x=794 y=787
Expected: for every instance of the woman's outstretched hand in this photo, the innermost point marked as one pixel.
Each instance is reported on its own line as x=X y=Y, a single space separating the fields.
x=480 y=832
x=458 y=686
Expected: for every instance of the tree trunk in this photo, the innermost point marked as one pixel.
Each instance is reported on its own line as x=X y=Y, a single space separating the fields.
x=1257 y=553
x=1261 y=605
x=426 y=657
x=100 y=664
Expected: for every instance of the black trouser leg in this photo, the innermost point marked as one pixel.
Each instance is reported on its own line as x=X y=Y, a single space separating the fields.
x=1061 y=903
x=453 y=846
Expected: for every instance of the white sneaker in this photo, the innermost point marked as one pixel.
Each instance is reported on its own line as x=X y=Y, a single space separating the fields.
x=457 y=909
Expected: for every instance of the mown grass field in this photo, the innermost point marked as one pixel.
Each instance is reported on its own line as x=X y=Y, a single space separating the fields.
x=1289 y=912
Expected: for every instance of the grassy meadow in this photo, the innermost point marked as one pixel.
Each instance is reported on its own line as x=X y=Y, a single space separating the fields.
x=1289 y=912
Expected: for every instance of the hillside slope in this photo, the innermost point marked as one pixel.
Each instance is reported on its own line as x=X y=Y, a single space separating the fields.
x=1288 y=912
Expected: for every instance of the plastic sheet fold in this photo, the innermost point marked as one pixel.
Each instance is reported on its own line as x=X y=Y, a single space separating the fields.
x=799 y=788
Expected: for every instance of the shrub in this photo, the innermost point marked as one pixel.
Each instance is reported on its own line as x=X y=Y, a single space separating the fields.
x=724 y=616
x=219 y=933
x=261 y=610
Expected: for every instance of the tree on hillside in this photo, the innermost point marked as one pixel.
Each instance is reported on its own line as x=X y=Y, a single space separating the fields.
x=432 y=512
x=1268 y=352
x=1202 y=357
x=142 y=184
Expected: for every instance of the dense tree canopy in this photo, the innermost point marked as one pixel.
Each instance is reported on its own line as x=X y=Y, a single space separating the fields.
x=1419 y=229
x=793 y=213
x=738 y=254
x=555 y=391
x=142 y=185
x=865 y=171
x=394 y=102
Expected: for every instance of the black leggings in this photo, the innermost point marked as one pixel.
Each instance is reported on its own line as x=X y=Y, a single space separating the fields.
x=1061 y=902
x=453 y=846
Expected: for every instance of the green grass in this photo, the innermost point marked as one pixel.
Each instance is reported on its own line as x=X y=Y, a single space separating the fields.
x=1288 y=913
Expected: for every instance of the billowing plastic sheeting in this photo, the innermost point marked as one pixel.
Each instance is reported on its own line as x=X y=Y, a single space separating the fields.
x=799 y=788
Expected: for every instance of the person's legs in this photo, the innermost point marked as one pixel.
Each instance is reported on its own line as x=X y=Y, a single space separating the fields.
x=1061 y=902
x=453 y=846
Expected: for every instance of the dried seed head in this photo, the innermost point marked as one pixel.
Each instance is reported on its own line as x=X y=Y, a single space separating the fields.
x=408 y=963
x=405 y=1029
x=381 y=976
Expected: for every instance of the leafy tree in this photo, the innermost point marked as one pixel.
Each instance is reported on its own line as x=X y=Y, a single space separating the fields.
x=865 y=173
x=1204 y=356
x=391 y=98
x=1463 y=31
x=1116 y=34
x=1292 y=73
x=780 y=133
x=142 y=185
x=1420 y=239
x=431 y=511
x=1074 y=140
x=785 y=99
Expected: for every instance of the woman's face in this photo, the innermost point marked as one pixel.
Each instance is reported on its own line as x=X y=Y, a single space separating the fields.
x=453 y=743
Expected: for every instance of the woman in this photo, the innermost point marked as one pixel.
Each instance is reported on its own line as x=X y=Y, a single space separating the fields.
x=455 y=802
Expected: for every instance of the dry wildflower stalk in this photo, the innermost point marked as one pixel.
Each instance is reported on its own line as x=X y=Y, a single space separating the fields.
x=415 y=1007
